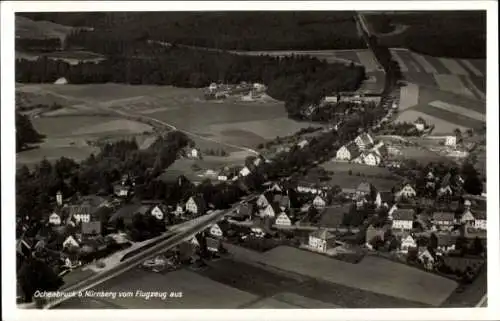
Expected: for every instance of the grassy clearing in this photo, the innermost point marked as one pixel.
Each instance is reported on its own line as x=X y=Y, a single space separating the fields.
x=345 y=180
x=344 y=167
x=458 y=110
x=427 y=95
x=452 y=117
x=371 y=274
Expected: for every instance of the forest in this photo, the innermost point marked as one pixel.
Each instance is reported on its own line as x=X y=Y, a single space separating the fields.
x=261 y=30
x=25 y=132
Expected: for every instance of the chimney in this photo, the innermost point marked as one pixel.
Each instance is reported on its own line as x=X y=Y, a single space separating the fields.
x=59 y=199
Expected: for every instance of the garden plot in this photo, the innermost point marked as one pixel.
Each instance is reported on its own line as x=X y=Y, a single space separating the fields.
x=453 y=66
x=458 y=110
x=409 y=96
x=113 y=126
x=399 y=60
x=428 y=68
x=471 y=67
x=452 y=83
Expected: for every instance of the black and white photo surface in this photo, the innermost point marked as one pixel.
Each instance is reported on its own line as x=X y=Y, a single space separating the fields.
x=221 y=159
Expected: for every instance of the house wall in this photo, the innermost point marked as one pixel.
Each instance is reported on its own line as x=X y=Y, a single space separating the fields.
x=402 y=224
x=283 y=220
x=480 y=224
x=191 y=206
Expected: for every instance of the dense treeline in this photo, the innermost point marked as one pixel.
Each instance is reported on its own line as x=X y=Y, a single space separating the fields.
x=285 y=78
x=38 y=45
x=25 y=132
x=278 y=30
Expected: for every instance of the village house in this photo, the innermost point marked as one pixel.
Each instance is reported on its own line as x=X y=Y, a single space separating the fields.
x=443 y=220
x=310 y=188
x=419 y=125
x=275 y=188
x=70 y=242
x=365 y=189
x=321 y=240
x=216 y=231
x=193 y=153
x=59 y=198
x=214 y=245
x=450 y=141
x=407 y=191
x=360 y=159
x=480 y=220
x=372 y=159
x=407 y=242
x=245 y=171
x=283 y=201
x=364 y=141
x=319 y=202
x=348 y=152
x=55 y=219
x=245 y=211
x=402 y=219
x=303 y=143
x=445 y=186
x=179 y=210
x=91 y=228
x=271 y=210
x=283 y=220
x=196 y=205
x=446 y=243
x=158 y=212
x=426 y=258
x=385 y=199
x=264 y=200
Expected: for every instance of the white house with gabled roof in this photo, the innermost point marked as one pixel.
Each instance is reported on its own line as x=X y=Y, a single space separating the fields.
x=283 y=220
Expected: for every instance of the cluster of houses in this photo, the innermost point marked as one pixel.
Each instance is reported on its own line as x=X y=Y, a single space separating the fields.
x=363 y=150
x=351 y=97
x=222 y=91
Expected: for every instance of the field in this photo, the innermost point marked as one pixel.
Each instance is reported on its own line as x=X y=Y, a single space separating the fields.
x=198 y=292
x=69 y=136
x=345 y=167
x=344 y=180
x=231 y=125
x=371 y=274
x=27 y=28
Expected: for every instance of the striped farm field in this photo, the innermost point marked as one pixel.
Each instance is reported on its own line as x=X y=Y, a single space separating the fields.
x=453 y=83
x=449 y=116
x=471 y=85
x=428 y=67
x=453 y=66
x=421 y=79
x=427 y=95
x=458 y=109
x=442 y=126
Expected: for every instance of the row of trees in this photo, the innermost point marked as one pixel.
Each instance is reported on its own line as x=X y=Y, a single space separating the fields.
x=26 y=134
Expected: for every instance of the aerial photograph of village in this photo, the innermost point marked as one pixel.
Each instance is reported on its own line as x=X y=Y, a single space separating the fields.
x=250 y=159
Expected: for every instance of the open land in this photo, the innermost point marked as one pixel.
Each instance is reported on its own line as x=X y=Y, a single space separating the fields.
x=214 y=125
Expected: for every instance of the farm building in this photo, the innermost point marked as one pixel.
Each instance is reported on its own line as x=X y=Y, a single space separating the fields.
x=373 y=232
x=319 y=202
x=264 y=200
x=283 y=220
x=348 y=152
x=303 y=143
x=321 y=240
x=271 y=210
x=364 y=141
x=443 y=220
x=215 y=231
x=61 y=81
x=480 y=220
x=55 y=219
x=196 y=205
x=408 y=242
x=402 y=219
x=282 y=200
x=450 y=141
x=407 y=191
x=245 y=171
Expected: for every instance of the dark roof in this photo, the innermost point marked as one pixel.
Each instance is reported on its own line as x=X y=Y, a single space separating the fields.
x=275 y=207
x=246 y=209
x=323 y=234
x=446 y=180
x=199 y=201
x=371 y=232
x=405 y=214
x=93 y=227
x=387 y=197
x=446 y=239
x=331 y=217
x=479 y=215
x=93 y=200
x=126 y=212
x=353 y=149
x=443 y=216
x=213 y=242
x=80 y=209
x=365 y=187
